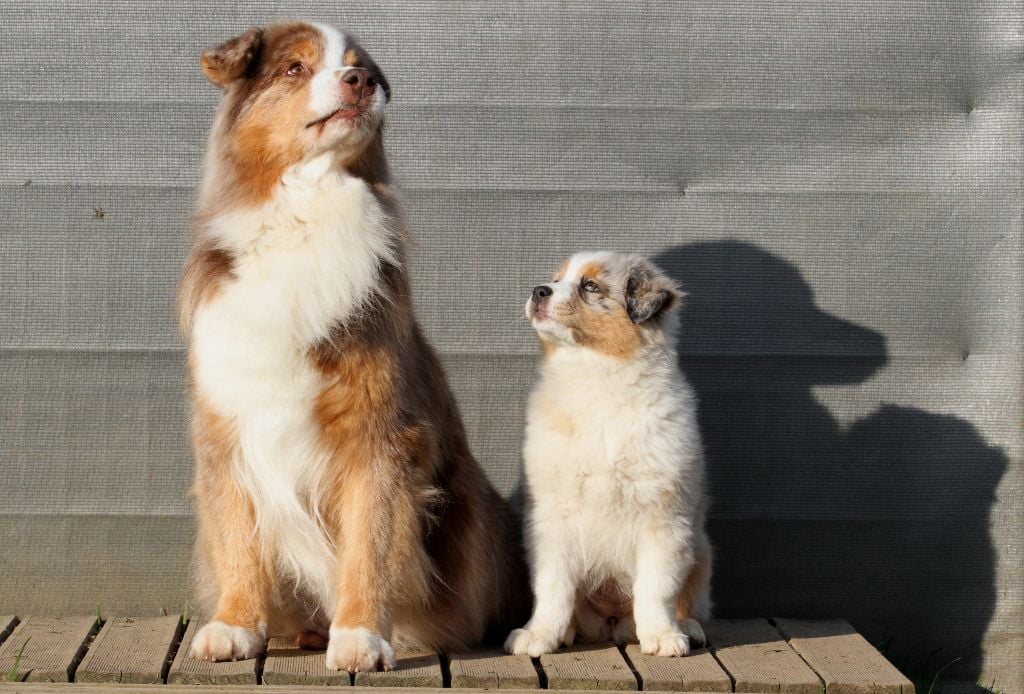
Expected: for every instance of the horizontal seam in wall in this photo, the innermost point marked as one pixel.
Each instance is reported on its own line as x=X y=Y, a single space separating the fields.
x=490 y=353
x=94 y=514
x=953 y=108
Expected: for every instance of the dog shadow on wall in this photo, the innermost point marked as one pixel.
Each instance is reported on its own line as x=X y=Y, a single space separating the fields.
x=884 y=522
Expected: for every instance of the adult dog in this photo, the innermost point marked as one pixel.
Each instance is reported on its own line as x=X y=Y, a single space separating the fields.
x=336 y=497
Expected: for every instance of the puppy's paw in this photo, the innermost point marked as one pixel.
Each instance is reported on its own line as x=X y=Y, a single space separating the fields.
x=359 y=650
x=693 y=629
x=533 y=643
x=667 y=643
x=218 y=641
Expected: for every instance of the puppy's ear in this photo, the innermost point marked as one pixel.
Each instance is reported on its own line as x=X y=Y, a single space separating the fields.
x=649 y=294
x=225 y=63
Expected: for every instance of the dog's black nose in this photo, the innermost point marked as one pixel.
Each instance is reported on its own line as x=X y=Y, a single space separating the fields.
x=541 y=292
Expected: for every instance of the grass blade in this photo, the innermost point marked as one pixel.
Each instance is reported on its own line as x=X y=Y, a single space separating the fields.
x=12 y=676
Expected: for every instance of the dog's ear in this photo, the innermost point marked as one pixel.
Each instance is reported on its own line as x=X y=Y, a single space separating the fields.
x=225 y=63
x=649 y=293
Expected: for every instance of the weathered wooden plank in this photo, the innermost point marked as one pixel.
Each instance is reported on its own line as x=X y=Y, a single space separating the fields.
x=130 y=651
x=697 y=672
x=590 y=666
x=843 y=659
x=188 y=670
x=758 y=659
x=288 y=664
x=492 y=669
x=415 y=669
x=52 y=647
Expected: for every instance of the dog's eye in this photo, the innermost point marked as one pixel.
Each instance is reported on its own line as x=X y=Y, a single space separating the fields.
x=295 y=70
x=590 y=286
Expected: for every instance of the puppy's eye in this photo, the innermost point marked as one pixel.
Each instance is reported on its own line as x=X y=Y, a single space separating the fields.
x=295 y=70
x=590 y=286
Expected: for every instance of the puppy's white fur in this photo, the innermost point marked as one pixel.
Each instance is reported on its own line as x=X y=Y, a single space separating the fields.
x=615 y=473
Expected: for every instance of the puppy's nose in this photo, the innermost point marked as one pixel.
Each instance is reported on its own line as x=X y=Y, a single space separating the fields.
x=356 y=79
x=541 y=292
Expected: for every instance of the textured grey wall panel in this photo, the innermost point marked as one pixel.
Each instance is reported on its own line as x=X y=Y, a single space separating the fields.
x=612 y=149
x=946 y=243
x=837 y=186
x=864 y=54
x=92 y=432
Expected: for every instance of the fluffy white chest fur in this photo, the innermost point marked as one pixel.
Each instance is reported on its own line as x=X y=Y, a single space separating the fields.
x=304 y=262
x=606 y=441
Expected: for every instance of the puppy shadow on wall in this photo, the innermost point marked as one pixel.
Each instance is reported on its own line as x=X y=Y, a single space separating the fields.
x=884 y=521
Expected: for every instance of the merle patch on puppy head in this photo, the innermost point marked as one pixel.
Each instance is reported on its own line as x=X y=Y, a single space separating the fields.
x=648 y=293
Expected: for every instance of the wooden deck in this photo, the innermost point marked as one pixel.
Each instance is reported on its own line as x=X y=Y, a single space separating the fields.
x=759 y=655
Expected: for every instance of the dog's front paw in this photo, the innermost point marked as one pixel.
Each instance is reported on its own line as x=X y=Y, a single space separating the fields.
x=692 y=628
x=667 y=643
x=533 y=643
x=218 y=641
x=359 y=650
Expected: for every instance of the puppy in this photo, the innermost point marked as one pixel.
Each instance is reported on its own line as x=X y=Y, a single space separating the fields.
x=336 y=498
x=614 y=466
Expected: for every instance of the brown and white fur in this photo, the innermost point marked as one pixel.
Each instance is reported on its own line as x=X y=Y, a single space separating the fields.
x=614 y=466
x=337 y=499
